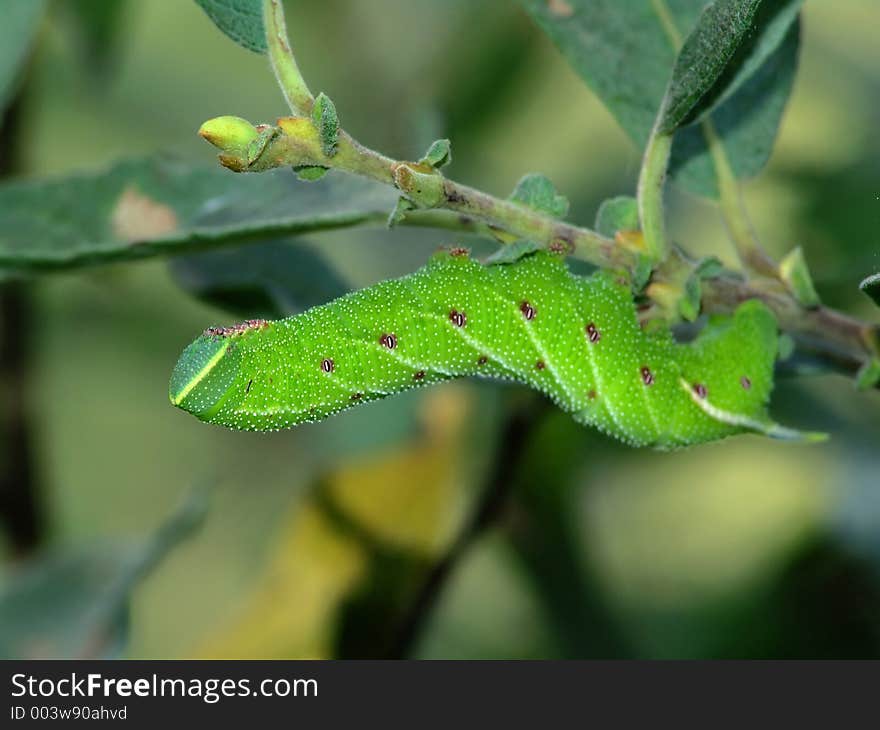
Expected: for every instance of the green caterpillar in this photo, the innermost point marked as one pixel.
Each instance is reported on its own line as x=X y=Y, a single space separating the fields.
x=576 y=339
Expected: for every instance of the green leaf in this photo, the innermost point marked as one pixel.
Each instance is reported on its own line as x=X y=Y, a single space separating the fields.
x=709 y=268
x=241 y=20
x=20 y=21
x=689 y=304
x=868 y=375
x=310 y=173
x=537 y=192
x=326 y=120
x=74 y=603
x=513 y=252
x=747 y=124
x=705 y=54
x=617 y=214
x=439 y=154
x=154 y=207
x=403 y=206
x=793 y=270
x=871 y=287
x=272 y=279
x=623 y=51
x=786 y=347
x=771 y=24
x=641 y=273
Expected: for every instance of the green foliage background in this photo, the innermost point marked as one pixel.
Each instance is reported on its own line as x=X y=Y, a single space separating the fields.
x=742 y=548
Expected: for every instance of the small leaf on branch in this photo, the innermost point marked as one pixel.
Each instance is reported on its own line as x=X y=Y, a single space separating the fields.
x=868 y=375
x=513 y=252
x=327 y=122
x=403 y=206
x=794 y=272
x=689 y=304
x=617 y=214
x=709 y=268
x=871 y=286
x=786 y=346
x=439 y=154
x=537 y=192
x=310 y=173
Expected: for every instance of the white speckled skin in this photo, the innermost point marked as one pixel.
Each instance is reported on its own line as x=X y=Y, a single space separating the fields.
x=576 y=339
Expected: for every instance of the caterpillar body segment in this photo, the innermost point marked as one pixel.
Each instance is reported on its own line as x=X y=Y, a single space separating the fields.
x=576 y=339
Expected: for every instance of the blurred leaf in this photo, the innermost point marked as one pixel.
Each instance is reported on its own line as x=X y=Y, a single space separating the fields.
x=20 y=22
x=709 y=268
x=153 y=207
x=706 y=52
x=624 y=53
x=74 y=603
x=272 y=279
x=98 y=23
x=537 y=192
x=617 y=214
x=689 y=304
x=871 y=286
x=241 y=20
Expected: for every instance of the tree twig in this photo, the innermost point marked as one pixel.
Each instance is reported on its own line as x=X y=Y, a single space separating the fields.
x=515 y=435
x=20 y=506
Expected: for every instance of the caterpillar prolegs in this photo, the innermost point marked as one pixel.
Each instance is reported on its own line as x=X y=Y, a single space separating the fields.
x=576 y=339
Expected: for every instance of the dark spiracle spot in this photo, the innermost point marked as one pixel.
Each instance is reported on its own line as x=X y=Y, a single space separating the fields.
x=419 y=375
x=647 y=375
x=540 y=365
x=248 y=388
x=357 y=396
x=592 y=333
x=528 y=311
x=700 y=390
x=745 y=382
x=482 y=360
x=388 y=340
x=327 y=365
x=592 y=395
x=459 y=319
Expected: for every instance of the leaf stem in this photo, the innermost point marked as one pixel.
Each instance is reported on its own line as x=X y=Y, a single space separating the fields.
x=751 y=254
x=652 y=178
x=284 y=65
